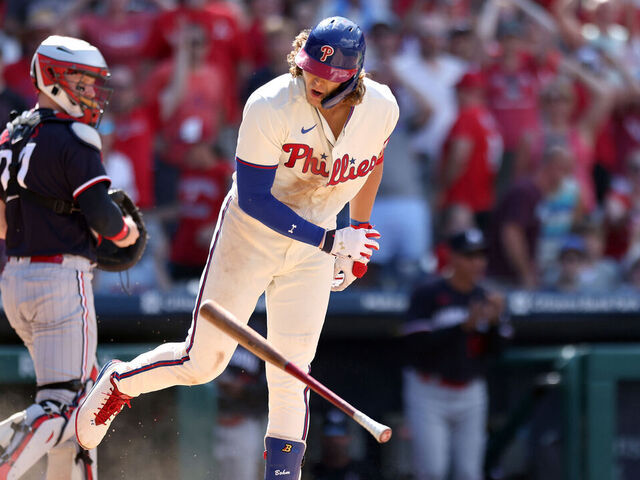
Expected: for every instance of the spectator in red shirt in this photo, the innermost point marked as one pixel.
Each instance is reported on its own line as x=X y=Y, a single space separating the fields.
x=135 y=127
x=513 y=89
x=120 y=33
x=259 y=14
x=201 y=190
x=220 y=26
x=472 y=152
x=626 y=119
x=278 y=33
x=558 y=100
x=16 y=79
x=189 y=95
x=620 y=134
x=622 y=210
x=41 y=21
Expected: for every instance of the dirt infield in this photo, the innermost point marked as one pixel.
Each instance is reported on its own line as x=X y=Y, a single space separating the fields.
x=142 y=445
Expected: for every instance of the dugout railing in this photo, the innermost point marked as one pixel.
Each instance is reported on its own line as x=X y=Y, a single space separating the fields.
x=558 y=334
x=588 y=378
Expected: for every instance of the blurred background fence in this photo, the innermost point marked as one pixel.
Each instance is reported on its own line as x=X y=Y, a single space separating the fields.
x=564 y=396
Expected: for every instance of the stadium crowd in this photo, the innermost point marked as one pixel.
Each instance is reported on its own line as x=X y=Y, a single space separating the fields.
x=517 y=117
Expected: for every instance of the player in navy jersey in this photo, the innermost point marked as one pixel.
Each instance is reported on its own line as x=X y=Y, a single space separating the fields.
x=55 y=209
x=453 y=325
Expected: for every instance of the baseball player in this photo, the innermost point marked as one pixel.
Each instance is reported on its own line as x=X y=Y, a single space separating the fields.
x=453 y=326
x=310 y=141
x=54 y=208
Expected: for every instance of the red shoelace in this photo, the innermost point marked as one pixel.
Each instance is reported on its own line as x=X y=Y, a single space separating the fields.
x=115 y=401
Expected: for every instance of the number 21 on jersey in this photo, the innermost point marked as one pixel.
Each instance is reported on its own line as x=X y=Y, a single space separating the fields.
x=23 y=161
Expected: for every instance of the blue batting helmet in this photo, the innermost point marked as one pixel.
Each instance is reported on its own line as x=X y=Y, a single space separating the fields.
x=334 y=51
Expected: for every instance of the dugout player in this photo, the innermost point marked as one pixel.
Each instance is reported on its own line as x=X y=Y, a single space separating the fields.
x=310 y=141
x=54 y=203
x=452 y=326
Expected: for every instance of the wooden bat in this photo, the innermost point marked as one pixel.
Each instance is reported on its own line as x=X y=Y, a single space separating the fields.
x=259 y=346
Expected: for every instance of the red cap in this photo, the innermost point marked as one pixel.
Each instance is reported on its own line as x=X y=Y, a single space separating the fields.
x=472 y=79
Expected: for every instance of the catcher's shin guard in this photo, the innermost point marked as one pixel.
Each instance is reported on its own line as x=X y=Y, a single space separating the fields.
x=87 y=462
x=69 y=461
x=28 y=435
x=284 y=459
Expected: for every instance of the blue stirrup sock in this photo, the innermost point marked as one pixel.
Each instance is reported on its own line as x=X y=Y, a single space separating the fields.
x=284 y=459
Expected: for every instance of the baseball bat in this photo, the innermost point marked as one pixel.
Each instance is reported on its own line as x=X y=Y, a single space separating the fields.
x=260 y=347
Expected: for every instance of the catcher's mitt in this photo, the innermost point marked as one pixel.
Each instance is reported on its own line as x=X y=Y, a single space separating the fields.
x=112 y=258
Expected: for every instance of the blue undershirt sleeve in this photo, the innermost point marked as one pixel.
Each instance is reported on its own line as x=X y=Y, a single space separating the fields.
x=255 y=198
x=101 y=213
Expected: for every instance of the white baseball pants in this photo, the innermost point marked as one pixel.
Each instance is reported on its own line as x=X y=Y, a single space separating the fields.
x=246 y=259
x=448 y=427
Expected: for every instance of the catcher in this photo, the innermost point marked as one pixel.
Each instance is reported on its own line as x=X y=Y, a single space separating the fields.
x=59 y=220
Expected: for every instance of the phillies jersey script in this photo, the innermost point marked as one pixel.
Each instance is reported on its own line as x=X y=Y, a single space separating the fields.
x=317 y=174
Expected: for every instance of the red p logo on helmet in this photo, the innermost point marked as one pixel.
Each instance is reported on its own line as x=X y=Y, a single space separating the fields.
x=327 y=51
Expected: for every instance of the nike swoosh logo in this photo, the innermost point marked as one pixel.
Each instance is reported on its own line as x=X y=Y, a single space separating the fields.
x=303 y=130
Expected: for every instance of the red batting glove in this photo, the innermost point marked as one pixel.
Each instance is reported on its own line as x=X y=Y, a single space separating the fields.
x=360 y=268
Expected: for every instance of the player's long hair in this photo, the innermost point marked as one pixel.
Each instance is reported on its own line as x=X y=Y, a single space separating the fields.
x=354 y=98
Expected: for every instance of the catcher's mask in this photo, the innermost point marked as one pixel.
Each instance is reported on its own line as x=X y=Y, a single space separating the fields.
x=72 y=73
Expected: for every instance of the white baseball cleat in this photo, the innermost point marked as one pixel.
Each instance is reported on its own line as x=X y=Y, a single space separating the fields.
x=100 y=407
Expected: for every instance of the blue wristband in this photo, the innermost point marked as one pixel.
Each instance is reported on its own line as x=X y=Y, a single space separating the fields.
x=356 y=223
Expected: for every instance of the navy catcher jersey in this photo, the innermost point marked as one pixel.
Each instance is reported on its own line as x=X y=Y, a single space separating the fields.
x=58 y=164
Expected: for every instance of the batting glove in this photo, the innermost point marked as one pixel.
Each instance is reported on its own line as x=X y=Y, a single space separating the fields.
x=351 y=242
x=360 y=266
x=343 y=274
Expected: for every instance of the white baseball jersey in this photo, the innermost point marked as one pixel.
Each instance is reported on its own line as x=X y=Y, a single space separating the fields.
x=317 y=174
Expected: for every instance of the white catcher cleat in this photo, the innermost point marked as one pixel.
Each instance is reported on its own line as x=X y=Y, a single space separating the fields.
x=100 y=407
